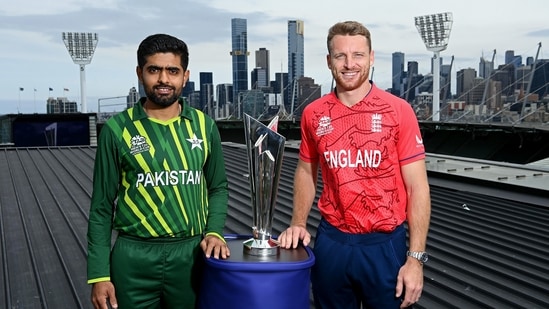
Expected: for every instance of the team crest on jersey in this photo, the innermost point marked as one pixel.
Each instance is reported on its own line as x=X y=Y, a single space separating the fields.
x=376 y=123
x=139 y=145
x=324 y=126
x=195 y=142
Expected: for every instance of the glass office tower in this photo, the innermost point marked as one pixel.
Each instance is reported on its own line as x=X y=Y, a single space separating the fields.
x=239 y=55
x=296 y=60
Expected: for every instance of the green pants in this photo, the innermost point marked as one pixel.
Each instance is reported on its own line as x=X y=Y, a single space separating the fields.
x=157 y=273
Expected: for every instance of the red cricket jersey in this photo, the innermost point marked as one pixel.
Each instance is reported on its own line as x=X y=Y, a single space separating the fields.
x=360 y=150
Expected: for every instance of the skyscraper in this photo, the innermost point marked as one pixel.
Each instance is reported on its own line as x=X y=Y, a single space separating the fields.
x=485 y=68
x=413 y=68
x=206 y=92
x=465 y=82
x=224 y=93
x=239 y=55
x=132 y=98
x=281 y=79
x=413 y=80
x=187 y=90
x=446 y=81
x=296 y=59
x=262 y=60
x=539 y=80
x=511 y=58
x=398 y=73
x=259 y=79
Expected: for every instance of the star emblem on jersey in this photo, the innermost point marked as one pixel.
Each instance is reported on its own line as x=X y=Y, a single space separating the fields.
x=195 y=142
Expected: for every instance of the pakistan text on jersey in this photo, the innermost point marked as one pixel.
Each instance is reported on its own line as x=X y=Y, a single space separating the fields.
x=169 y=178
x=347 y=158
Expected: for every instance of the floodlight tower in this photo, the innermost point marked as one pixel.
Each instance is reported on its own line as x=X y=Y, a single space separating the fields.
x=435 y=32
x=81 y=47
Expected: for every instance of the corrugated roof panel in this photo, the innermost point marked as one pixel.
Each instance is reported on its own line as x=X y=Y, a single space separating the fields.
x=487 y=250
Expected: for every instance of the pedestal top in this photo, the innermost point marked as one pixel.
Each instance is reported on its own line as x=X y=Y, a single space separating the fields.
x=300 y=256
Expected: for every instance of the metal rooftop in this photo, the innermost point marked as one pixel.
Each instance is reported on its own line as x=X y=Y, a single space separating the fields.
x=488 y=240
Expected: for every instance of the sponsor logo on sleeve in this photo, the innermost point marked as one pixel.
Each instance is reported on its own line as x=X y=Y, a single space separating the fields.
x=419 y=140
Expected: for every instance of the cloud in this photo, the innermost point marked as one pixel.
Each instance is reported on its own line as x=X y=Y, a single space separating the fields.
x=36 y=57
x=542 y=33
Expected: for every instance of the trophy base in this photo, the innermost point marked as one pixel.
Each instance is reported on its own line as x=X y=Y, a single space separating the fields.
x=256 y=247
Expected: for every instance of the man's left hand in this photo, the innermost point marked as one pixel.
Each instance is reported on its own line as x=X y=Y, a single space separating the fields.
x=213 y=246
x=410 y=282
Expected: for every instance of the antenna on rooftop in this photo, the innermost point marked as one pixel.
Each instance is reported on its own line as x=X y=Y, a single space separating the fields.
x=81 y=47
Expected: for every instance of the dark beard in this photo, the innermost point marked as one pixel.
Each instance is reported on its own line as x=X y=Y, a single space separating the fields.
x=163 y=101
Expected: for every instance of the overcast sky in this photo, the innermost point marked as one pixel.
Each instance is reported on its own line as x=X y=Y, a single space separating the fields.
x=33 y=55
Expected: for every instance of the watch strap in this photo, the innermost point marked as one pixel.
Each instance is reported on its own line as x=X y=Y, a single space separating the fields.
x=421 y=256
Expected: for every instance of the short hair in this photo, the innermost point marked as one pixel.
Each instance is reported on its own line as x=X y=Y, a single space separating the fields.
x=348 y=28
x=162 y=43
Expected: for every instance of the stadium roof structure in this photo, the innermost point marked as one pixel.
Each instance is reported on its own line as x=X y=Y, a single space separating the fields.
x=488 y=240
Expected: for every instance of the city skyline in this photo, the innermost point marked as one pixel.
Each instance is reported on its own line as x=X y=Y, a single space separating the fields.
x=37 y=58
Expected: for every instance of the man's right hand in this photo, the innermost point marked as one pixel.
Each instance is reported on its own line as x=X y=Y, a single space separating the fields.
x=103 y=292
x=291 y=236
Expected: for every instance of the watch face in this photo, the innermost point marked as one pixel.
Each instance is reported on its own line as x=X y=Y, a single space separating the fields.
x=424 y=257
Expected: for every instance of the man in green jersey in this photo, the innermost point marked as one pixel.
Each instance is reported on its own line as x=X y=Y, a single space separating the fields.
x=160 y=184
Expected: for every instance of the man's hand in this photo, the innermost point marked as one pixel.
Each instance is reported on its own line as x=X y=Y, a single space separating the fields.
x=410 y=281
x=101 y=293
x=213 y=246
x=291 y=236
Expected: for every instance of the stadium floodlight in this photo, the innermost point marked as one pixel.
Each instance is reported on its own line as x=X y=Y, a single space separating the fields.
x=81 y=47
x=435 y=33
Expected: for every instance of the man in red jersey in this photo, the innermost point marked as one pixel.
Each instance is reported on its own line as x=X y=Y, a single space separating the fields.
x=369 y=148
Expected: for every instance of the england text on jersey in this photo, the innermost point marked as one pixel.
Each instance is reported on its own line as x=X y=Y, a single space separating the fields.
x=347 y=158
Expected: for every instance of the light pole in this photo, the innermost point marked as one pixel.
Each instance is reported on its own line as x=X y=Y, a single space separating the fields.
x=81 y=47
x=435 y=32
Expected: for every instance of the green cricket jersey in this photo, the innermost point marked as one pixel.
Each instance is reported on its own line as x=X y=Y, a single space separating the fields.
x=155 y=179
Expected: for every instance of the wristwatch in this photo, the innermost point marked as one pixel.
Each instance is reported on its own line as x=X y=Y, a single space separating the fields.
x=421 y=256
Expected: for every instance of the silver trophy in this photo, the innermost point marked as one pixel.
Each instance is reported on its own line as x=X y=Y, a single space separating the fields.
x=265 y=150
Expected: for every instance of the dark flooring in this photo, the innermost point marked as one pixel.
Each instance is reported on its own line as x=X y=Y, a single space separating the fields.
x=489 y=247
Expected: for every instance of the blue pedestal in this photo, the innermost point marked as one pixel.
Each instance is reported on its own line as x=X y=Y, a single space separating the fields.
x=265 y=282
